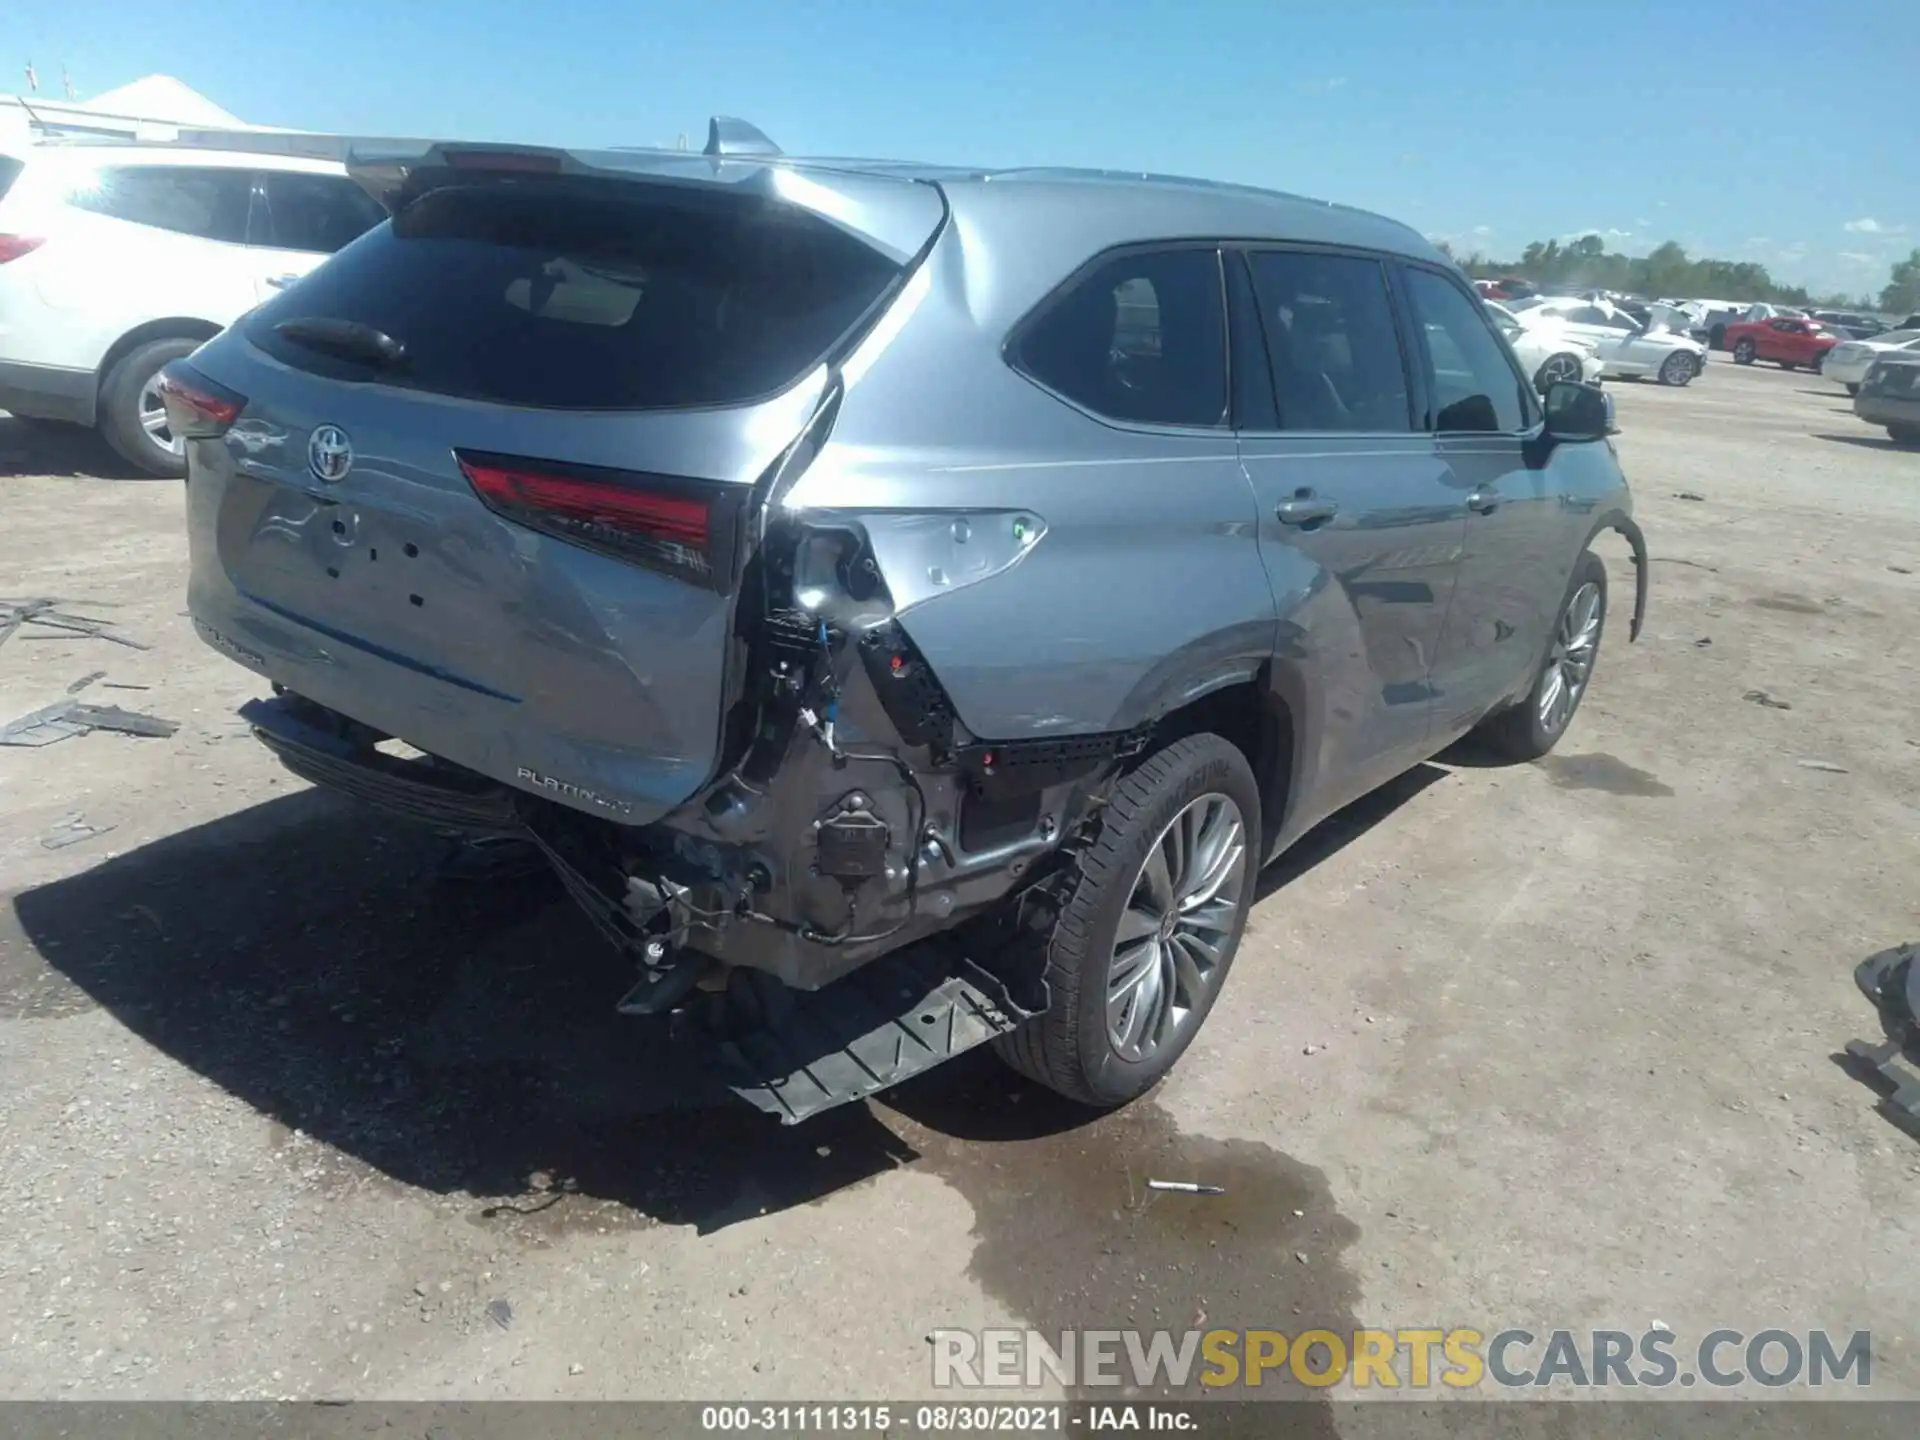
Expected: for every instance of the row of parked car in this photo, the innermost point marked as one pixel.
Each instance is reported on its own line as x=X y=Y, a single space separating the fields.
x=1590 y=338
x=1600 y=335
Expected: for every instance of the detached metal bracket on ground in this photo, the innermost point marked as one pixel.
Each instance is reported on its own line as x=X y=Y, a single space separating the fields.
x=891 y=1019
x=1891 y=980
x=67 y=718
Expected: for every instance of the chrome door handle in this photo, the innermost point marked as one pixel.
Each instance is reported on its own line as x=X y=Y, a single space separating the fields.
x=1483 y=502
x=1304 y=510
x=280 y=282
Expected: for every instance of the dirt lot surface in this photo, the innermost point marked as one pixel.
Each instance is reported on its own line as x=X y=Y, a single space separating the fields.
x=1550 y=1047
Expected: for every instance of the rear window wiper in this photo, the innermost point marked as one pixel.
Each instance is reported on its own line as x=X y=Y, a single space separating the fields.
x=347 y=339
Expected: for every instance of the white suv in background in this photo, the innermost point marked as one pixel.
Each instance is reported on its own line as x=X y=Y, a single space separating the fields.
x=115 y=259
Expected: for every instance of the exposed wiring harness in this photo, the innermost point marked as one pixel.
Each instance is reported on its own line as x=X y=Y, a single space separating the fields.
x=821 y=724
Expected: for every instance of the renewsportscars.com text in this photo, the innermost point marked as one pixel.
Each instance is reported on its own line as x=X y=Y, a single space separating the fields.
x=1457 y=1358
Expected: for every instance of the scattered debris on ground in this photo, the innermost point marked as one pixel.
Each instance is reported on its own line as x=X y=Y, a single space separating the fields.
x=1687 y=495
x=14 y=614
x=1770 y=702
x=69 y=717
x=1826 y=766
x=71 y=831
x=1186 y=1187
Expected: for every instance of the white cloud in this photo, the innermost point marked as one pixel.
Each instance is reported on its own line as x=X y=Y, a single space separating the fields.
x=1336 y=82
x=1483 y=230
x=1854 y=257
x=1605 y=232
x=1642 y=221
x=1754 y=242
x=1866 y=226
x=1797 y=250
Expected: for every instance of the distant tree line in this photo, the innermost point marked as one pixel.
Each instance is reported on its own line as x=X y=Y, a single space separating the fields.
x=1585 y=264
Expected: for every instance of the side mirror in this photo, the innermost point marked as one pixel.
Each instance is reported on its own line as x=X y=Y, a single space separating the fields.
x=1578 y=412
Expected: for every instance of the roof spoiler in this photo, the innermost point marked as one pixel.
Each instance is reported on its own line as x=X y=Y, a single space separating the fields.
x=894 y=214
x=729 y=136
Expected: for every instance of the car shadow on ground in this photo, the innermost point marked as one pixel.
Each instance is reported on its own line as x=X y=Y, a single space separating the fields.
x=37 y=447
x=1869 y=442
x=1343 y=827
x=461 y=1039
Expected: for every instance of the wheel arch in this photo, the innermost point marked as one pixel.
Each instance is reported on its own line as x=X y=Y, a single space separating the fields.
x=173 y=327
x=1258 y=716
x=1621 y=523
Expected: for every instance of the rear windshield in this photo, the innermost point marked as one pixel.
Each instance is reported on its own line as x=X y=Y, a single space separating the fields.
x=590 y=295
x=10 y=169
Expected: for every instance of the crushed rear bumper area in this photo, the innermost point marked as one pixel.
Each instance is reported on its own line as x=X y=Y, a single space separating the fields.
x=790 y=1053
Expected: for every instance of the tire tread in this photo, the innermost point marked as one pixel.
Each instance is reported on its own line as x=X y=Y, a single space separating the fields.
x=1046 y=1049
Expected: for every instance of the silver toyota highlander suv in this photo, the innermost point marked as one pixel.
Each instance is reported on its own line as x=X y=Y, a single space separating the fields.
x=906 y=605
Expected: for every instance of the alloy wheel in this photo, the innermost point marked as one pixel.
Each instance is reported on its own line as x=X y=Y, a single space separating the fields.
x=153 y=419
x=1171 y=945
x=1570 y=663
x=1559 y=368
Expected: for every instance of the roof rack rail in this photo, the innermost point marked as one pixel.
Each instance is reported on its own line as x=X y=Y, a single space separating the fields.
x=729 y=136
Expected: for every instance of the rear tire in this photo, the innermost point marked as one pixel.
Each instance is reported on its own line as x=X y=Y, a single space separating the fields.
x=127 y=414
x=1904 y=434
x=1562 y=367
x=1529 y=729
x=1191 y=816
x=1744 y=353
x=1678 y=369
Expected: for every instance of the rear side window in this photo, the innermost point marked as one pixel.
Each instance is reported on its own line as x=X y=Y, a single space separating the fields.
x=320 y=213
x=587 y=294
x=1141 y=338
x=1331 y=338
x=1473 y=385
x=209 y=203
x=10 y=169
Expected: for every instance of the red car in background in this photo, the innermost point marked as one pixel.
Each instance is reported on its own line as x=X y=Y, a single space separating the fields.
x=1505 y=289
x=1787 y=342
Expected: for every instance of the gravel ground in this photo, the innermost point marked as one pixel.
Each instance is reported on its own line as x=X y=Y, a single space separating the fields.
x=1551 y=1047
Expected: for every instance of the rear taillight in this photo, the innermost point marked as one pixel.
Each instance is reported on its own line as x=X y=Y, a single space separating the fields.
x=196 y=407
x=685 y=527
x=12 y=247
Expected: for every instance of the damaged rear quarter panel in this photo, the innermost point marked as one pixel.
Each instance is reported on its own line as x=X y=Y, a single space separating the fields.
x=1147 y=585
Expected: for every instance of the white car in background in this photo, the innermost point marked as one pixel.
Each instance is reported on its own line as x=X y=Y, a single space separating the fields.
x=1849 y=361
x=1545 y=354
x=115 y=259
x=1627 y=349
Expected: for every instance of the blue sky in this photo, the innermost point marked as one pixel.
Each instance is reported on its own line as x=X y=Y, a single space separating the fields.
x=1774 y=130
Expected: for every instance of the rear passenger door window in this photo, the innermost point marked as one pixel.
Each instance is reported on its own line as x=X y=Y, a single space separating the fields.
x=1331 y=342
x=1472 y=386
x=1140 y=338
x=188 y=200
x=315 y=213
